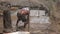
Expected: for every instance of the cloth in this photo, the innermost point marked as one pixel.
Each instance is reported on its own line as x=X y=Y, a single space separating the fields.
x=21 y=17
x=7 y=19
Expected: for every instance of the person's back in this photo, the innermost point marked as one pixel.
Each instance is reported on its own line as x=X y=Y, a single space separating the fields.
x=21 y=14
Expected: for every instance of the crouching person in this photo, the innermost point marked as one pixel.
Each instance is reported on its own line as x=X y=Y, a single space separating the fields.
x=23 y=16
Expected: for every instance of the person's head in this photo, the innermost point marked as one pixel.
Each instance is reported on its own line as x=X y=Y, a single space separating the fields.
x=5 y=4
x=25 y=8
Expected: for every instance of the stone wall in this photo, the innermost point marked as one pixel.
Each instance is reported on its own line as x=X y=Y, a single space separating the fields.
x=55 y=15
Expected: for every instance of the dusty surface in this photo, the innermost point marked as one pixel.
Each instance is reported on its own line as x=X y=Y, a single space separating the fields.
x=1 y=24
x=36 y=28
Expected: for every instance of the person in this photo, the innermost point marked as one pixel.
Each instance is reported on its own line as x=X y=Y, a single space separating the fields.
x=22 y=15
x=6 y=16
x=6 y=20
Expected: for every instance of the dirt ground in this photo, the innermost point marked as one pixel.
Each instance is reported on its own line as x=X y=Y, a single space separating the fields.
x=34 y=28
